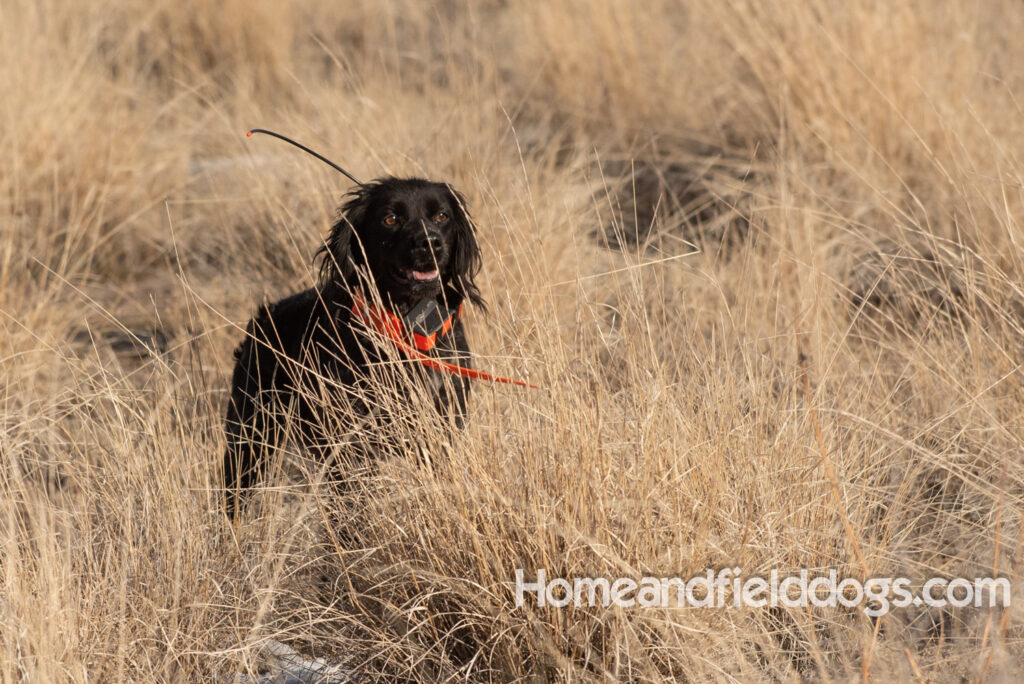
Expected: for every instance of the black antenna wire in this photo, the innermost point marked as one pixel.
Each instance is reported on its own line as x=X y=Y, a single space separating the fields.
x=304 y=149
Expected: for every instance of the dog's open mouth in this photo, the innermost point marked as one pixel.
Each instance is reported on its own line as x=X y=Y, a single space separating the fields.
x=423 y=276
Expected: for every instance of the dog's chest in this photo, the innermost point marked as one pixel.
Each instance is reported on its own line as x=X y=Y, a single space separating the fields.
x=435 y=382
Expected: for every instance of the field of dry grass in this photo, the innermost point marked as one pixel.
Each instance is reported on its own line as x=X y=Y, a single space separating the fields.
x=687 y=208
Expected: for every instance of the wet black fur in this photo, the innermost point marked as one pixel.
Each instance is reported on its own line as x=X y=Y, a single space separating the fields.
x=304 y=357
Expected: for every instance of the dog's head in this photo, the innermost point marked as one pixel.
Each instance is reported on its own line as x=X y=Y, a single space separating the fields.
x=410 y=236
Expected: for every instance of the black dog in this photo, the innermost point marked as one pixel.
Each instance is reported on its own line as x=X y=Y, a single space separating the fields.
x=407 y=245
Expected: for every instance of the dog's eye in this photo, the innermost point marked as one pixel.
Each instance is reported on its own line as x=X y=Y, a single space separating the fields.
x=390 y=220
x=441 y=216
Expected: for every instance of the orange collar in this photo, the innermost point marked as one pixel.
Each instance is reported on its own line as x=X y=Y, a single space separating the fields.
x=428 y=321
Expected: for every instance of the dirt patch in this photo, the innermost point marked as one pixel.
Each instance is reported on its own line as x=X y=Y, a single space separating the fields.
x=701 y=200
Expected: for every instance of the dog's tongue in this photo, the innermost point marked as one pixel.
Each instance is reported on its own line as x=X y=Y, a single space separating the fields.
x=424 y=275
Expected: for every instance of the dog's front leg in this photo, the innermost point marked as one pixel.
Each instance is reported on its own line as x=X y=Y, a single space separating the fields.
x=452 y=393
x=253 y=422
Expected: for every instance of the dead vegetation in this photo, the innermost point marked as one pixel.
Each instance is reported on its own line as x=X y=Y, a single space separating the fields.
x=684 y=208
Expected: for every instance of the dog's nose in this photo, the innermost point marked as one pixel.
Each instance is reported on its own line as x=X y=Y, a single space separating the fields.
x=428 y=239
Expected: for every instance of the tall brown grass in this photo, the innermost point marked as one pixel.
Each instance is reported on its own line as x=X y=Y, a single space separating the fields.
x=876 y=151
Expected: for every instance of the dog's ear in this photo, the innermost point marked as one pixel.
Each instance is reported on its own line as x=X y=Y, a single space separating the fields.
x=465 y=261
x=340 y=253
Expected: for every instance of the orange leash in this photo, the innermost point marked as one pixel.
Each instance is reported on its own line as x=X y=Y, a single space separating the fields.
x=390 y=326
x=451 y=368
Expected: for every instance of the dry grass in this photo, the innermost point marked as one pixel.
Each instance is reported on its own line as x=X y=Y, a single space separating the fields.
x=867 y=157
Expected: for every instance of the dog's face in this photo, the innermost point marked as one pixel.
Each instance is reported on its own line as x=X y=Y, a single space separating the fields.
x=411 y=236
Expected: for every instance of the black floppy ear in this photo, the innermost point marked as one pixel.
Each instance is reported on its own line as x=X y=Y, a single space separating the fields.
x=339 y=256
x=465 y=261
